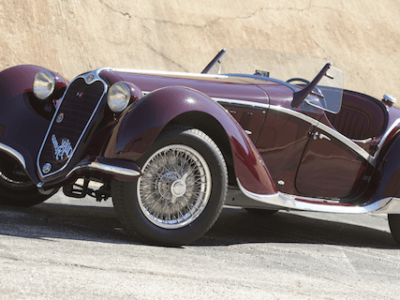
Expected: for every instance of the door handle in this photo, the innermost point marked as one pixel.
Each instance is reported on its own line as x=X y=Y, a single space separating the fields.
x=320 y=136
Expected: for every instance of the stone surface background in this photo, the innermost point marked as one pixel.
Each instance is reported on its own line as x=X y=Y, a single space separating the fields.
x=74 y=36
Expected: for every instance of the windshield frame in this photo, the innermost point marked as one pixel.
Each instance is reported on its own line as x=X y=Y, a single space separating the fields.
x=224 y=63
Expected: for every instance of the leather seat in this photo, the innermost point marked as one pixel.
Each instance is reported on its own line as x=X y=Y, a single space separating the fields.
x=361 y=117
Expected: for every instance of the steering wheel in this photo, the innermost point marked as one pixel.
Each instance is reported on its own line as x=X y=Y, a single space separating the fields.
x=316 y=89
x=297 y=79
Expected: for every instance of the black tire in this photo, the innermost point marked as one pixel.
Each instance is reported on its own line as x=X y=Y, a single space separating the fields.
x=261 y=211
x=394 y=224
x=16 y=188
x=169 y=205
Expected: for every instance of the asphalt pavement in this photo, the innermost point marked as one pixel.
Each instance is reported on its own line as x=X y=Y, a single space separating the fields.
x=76 y=249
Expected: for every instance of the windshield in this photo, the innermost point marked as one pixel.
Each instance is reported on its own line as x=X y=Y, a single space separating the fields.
x=296 y=69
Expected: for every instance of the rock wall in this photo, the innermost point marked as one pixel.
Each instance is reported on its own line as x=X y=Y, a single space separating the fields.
x=73 y=36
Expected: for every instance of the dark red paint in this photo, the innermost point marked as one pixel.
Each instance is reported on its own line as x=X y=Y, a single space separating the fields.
x=140 y=125
x=278 y=153
x=23 y=125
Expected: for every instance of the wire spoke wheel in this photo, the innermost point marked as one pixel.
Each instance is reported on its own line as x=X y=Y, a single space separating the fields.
x=175 y=186
x=16 y=188
x=181 y=191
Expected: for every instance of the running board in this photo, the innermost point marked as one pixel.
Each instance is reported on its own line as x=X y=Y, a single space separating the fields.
x=290 y=202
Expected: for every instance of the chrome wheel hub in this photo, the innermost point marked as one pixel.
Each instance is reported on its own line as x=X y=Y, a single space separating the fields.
x=178 y=188
x=175 y=186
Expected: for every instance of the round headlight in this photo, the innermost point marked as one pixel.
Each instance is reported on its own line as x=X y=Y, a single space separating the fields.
x=43 y=85
x=118 y=97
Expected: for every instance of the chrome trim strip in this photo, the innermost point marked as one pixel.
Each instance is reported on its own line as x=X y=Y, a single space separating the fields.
x=291 y=202
x=271 y=107
x=96 y=166
x=349 y=143
x=294 y=113
x=392 y=207
x=385 y=136
x=267 y=106
x=85 y=76
x=113 y=169
x=14 y=153
x=241 y=102
x=232 y=101
x=101 y=167
x=167 y=73
x=337 y=135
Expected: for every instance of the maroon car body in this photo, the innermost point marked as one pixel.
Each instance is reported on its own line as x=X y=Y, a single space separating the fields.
x=270 y=148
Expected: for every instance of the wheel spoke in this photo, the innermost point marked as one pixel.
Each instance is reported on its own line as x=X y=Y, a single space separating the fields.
x=175 y=186
x=173 y=199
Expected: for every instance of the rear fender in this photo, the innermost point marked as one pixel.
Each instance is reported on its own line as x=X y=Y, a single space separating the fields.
x=23 y=119
x=385 y=181
x=140 y=125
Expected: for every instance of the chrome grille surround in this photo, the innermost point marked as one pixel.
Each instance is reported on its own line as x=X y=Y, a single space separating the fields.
x=89 y=78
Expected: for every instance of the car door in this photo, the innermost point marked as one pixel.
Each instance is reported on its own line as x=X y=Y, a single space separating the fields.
x=284 y=136
x=332 y=166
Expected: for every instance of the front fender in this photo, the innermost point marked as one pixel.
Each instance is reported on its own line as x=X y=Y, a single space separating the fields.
x=140 y=125
x=23 y=120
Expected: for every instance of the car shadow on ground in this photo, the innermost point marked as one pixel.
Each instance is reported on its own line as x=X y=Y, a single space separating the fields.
x=234 y=226
x=64 y=221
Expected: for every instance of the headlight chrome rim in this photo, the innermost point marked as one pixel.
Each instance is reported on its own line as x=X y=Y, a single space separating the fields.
x=118 y=97
x=44 y=85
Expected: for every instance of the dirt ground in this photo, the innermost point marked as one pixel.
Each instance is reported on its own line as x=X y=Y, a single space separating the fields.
x=74 y=36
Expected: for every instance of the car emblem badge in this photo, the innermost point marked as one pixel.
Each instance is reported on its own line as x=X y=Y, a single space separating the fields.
x=90 y=78
x=62 y=151
x=46 y=168
x=60 y=118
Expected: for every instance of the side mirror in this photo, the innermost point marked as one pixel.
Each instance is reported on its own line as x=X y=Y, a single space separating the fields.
x=300 y=96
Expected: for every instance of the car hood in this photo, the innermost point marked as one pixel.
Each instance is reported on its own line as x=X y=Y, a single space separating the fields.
x=214 y=86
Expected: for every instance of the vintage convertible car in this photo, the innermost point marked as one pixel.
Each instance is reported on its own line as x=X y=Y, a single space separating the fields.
x=172 y=149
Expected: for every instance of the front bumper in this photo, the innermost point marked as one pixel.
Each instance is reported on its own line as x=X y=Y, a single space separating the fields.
x=94 y=167
x=99 y=168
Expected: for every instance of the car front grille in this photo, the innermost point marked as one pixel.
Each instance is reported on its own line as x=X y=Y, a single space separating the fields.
x=74 y=114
